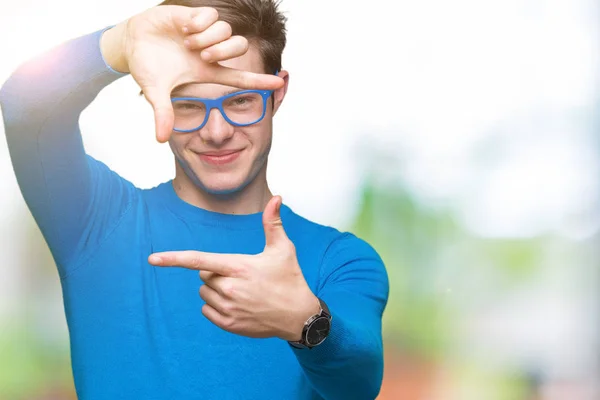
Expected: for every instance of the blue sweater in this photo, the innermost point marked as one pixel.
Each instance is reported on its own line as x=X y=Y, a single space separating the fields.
x=137 y=331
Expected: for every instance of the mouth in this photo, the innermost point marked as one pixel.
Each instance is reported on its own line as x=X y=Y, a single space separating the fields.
x=220 y=157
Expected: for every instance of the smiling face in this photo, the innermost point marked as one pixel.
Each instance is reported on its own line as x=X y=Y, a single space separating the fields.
x=221 y=158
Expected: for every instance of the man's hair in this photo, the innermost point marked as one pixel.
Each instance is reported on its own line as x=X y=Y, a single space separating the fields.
x=259 y=21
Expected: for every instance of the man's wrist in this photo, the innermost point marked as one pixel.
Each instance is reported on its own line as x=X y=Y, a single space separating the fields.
x=112 y=47
x=306 y=309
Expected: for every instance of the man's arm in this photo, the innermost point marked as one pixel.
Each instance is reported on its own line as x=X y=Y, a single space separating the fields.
x=354 y=285
x=266 y=295
x=74 y=199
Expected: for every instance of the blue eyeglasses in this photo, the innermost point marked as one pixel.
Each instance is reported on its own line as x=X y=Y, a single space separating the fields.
x=241 y=108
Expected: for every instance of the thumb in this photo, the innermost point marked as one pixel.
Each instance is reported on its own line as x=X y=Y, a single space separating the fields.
x=160 y=99
x=274 y=232
x=183 y=15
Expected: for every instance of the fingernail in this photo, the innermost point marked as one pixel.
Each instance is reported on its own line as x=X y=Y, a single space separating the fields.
x=186 y=43
x=155 y=259
x=185 y=29
x=206 y=55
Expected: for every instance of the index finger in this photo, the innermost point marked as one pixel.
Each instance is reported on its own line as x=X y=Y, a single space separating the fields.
x=243 y=79
x=222 y=264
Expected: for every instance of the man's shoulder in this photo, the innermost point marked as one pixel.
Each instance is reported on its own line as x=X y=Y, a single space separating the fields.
x=330 y=241
x=303 y=229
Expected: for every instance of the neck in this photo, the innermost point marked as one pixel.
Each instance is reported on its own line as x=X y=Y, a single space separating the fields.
x=250 y=200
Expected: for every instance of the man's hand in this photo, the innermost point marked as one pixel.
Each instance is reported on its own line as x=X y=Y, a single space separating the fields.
x=263 y=295
x=167 y=46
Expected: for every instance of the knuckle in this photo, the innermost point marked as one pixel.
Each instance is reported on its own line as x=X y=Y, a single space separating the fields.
x=238 y=270
x=217 y=52
x=205 y=275
x=197 y=40
x=276 y=222
x=229 y=289
x=229 y=323
x=241 y=40
x=288 y=248
x=228 y=307
x=196 y=262
x=240 y=44
x=224 y=27
x=204 y=310
x=230 y=48
x=244 y=80
x=211 y=12
x=203 y=292
x=205 y=14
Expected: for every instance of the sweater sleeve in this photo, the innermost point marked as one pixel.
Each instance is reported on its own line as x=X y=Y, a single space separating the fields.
x=75 y=200
x=355 y=286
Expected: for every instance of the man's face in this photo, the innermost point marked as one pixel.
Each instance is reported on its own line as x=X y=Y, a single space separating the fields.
x=222 y=158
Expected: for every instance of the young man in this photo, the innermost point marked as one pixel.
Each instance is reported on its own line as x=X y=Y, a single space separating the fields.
x=290 y=313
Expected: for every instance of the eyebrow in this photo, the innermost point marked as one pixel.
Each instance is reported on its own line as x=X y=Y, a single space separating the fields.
x=177 y=91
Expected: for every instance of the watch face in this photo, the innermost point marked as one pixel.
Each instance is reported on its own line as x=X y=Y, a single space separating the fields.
x=318 y=331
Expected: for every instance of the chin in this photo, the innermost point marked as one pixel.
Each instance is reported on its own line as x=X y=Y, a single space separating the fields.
x=220 y=186
x=221 y=191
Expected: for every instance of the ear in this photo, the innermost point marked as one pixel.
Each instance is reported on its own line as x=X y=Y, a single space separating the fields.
x=279 y=94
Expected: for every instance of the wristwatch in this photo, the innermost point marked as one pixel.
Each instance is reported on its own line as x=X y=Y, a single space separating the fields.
x=316 y=329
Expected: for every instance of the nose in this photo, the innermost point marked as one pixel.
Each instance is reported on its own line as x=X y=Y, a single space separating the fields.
x=217 y=130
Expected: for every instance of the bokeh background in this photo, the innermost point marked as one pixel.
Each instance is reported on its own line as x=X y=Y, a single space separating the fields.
x=462 y=139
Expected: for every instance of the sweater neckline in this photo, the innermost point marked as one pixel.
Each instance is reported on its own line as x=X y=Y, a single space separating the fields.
x=189 y=212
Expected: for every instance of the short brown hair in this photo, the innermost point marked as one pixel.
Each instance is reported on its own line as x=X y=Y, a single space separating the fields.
x=259 y=21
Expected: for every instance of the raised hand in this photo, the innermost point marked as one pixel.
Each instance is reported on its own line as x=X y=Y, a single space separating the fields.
x=167 y=46
x=263 y=295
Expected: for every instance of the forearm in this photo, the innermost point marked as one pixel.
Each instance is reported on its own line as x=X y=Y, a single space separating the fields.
x=354 y=284
x=41 y=105
x=56 y=86
x=349 y=364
